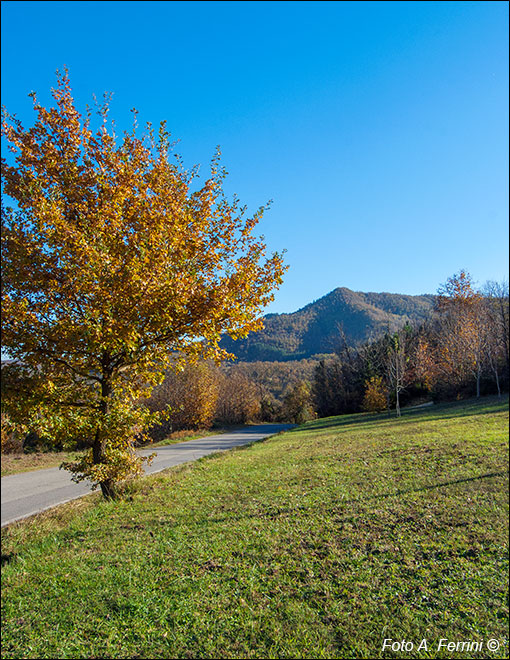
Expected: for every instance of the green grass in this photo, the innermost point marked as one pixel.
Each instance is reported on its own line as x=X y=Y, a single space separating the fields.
x=318 y=543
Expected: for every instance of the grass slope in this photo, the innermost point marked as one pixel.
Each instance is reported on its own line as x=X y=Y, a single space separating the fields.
x=318 y=543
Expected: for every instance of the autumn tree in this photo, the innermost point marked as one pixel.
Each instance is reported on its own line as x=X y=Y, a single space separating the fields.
x=297 y=403
x=424 y=359
x=463 y=330
x=114 y=259
x=375 y=398
x=238 y=398
x=189 y=395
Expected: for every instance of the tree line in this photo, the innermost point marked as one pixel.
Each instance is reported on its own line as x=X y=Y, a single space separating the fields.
x=460 y=351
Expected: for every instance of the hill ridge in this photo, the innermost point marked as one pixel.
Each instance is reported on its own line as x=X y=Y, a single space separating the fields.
x=315 y=328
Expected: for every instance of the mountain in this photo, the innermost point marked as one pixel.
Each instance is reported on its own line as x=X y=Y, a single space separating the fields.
x=316 y=328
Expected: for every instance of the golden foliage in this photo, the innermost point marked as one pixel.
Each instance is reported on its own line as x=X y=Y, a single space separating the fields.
x=297 y=403
x=425 y=363
x=464 y=330
x=238 y=399
x=111 y=262
x=375 y=399
x=189 y=395
x=11 y=441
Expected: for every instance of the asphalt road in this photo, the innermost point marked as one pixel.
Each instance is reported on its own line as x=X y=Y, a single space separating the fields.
x=28 y=493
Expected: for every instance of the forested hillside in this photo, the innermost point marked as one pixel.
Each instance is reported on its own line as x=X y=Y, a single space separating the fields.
x=317 y=327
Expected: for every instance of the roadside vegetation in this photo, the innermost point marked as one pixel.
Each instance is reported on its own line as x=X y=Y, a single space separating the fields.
x=15 y=463
x=21 y=462
x=317 y=543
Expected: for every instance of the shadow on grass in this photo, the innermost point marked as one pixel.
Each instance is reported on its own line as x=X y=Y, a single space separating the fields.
x=406 y=491
x=7 y=558
x=275 y=512
x=451 y=410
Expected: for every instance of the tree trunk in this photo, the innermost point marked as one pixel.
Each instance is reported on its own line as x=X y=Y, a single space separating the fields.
x=397 y=406
x=98 y=456
x=504 y=324
x=494 y=366
x=108 y=489
x=98 y=453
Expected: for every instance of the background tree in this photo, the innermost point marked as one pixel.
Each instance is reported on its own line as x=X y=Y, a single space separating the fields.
x=111 y=262
x=463 y=330
x=190 y=395
x=397 y=362
x=375 y=399
x=497 y=309
x=326 y=386
x=238 y=399
x=297 y=403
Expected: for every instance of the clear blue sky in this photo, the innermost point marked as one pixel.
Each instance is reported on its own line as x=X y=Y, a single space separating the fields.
x=379 y=129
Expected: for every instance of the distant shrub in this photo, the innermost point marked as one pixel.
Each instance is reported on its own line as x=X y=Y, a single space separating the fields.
x=375 y=399
x=271 y=409
x=297 y=403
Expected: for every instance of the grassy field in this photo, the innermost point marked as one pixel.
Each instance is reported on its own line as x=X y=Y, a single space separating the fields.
x=318 y=543
x=16 y=463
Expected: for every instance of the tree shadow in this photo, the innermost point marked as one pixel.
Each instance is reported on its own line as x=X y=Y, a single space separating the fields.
x=443 y=411
x=276 y=512
x=7 y=558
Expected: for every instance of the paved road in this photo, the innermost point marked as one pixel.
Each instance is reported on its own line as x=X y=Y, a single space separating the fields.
x=31 y=492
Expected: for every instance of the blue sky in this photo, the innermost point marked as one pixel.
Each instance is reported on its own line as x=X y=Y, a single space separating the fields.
x=378 y=129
